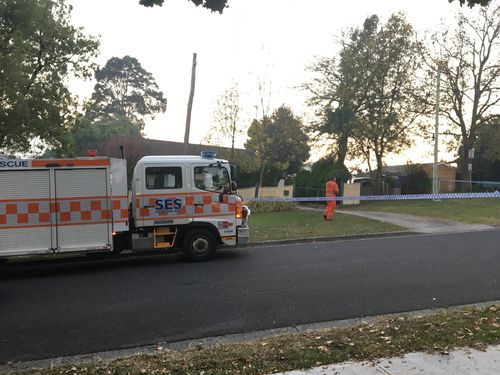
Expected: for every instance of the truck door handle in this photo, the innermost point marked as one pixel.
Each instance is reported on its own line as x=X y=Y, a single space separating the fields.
x=198 y=204
x=148 y=206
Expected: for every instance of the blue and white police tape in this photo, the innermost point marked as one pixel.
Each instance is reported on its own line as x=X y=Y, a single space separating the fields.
x=483 y=183
x=495 y=194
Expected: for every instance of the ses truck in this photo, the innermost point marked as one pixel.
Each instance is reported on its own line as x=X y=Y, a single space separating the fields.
x=54 y=206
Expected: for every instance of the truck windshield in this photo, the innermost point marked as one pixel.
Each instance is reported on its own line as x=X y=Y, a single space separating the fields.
x=213 y=178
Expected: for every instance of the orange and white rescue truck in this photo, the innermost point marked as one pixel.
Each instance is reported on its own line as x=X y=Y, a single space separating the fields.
x=54 y=206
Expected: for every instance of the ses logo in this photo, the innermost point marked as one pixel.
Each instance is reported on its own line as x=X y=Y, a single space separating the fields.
x=168 y=204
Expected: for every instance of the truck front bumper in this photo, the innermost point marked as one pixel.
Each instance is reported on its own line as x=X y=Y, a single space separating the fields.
x=243 y=235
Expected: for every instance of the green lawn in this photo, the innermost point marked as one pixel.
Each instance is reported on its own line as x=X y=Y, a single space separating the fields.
x=303 y=224
x=472 y=211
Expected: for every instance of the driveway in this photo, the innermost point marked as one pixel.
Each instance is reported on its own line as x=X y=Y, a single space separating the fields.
x=420 y=224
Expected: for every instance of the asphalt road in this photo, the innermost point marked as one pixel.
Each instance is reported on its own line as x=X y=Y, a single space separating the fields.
x=60 y=308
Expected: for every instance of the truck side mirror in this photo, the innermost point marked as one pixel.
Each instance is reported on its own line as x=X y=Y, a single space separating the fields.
x=234 y=186
x=233 y=171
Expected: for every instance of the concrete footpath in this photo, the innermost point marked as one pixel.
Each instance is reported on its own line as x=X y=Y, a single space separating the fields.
x=463 y=361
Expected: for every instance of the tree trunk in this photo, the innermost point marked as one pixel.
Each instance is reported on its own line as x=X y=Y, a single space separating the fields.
x=232 y=141
x=463 y=167
x=342 y=152
x=261 y=177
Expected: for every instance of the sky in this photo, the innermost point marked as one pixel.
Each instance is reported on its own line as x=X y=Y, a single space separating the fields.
x=267 y=41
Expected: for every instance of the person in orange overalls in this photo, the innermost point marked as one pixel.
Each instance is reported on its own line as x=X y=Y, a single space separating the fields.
x=332 y=190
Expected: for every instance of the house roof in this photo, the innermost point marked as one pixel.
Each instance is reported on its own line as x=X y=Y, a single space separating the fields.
x=401 y=168
x=137 y=147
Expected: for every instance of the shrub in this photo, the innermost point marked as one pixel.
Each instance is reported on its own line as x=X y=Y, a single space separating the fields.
x=269 y=206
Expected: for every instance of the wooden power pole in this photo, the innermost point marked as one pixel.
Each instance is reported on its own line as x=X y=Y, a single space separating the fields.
x=190 y=104
x=435 y=166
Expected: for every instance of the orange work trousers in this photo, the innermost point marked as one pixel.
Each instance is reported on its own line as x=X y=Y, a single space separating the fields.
x=330 y=208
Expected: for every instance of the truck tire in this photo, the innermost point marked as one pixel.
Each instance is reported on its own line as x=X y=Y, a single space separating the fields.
x=199 y=245
x=121 y=242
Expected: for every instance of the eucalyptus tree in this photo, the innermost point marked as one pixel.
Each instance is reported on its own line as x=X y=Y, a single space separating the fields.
x=125 y=89
x=370 y=95
x=332 y=92
x=394 y=96
x=472 y=3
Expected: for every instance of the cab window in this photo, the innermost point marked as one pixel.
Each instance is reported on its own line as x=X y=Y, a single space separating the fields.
x=161 y=178
x=214 y=178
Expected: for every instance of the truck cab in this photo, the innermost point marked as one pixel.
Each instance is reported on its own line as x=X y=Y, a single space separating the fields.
x=186 y=202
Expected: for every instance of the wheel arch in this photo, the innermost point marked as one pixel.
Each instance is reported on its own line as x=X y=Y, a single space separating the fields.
x=183 y=230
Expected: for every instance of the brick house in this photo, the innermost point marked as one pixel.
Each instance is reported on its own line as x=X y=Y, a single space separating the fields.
x=447 y=174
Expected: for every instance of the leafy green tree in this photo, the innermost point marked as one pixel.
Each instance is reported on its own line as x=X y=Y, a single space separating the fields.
x=39 y=49
x=226 y=116
x=213 y=5
x=471 y=79
x=488 y=143
x=124 y=89
x=393 y=95
x=336 y=90
x=312 y=183
x=369 y=97
x=290 y=142
x=260 y=142
x=472 y=3
x=87 y=135
x=486 y=164
x=280 y=139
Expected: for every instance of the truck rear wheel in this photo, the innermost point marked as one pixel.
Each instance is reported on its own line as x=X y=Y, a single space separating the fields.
x=199 y=245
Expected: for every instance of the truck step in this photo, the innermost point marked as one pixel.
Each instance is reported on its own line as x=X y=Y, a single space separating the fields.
x=164 y=237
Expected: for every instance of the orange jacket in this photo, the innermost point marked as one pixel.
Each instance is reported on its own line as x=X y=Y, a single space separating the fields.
x=332 y=189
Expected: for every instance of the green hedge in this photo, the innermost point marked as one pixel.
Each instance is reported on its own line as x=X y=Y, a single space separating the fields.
x=269 y=206
x=312 y=183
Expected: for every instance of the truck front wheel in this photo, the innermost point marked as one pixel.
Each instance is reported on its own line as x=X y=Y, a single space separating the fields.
x=199 y=245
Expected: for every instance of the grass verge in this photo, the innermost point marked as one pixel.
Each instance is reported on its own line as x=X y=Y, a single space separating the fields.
x=393 y=336
x=471 y=211
x=297 y=223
